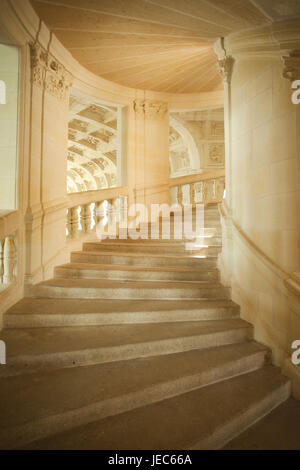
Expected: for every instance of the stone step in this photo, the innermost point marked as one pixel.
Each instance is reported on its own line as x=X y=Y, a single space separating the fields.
x=278 y=430
x=30 y=350
x=207 y=240
x=156 y=248
x=40 y=405
x=205 y=418
x=144 y=259
x=106 y=289
x=36 y=313
x=187 y=224
x=133 y=273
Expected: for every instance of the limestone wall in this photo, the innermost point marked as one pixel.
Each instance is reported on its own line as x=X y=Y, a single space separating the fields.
x=261 y=215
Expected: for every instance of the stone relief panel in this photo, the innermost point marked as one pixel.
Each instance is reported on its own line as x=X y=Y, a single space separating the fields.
x=215 y=154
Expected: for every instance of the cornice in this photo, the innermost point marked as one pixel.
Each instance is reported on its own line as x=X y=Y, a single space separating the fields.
x=272 y=40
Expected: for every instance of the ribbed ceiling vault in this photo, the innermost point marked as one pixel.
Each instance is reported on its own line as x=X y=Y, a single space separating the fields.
x=162 y=45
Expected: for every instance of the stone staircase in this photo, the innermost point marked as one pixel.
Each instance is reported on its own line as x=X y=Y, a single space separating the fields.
x=134 y=345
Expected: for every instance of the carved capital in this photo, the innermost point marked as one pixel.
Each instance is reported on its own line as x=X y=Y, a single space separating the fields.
x=291 y=66
x=150 y=109
x=48 y=73
x=225 y=68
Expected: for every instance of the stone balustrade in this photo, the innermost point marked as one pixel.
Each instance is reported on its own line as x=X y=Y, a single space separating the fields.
x=82 y=219
x=197 y=189
x=8 y=261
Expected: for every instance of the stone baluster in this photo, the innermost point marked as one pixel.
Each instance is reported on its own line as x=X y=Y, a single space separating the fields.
x=205 y=192
x=111 y=211
x=72 y=222
x=1 y=262
x=9 y=260
x=214 y=189
x=101 y=212
x=180 y=195
x=93 y=216
x=97 y=210
x=192 y=194
x=85 y=218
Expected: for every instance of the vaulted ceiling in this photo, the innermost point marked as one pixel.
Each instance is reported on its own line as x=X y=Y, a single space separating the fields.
x=162 y=45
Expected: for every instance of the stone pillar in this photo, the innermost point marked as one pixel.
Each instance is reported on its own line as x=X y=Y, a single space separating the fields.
x=152 y=152
x=46 y=210
x=225 y=64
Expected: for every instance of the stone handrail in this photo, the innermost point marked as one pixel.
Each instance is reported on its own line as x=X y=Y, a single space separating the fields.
x=86 y=197
x=203 y=188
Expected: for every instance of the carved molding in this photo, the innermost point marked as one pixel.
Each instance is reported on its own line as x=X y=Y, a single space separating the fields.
x=225 y=68
x=291 y=67
x=150 y=109
x=48 y=73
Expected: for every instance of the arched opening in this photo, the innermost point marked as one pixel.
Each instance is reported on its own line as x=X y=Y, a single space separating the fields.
x=196 y=141
x=9 y=78
x=95 y=151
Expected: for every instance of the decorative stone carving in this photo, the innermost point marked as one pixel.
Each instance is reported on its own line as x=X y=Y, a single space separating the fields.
x=48 y=73
x=225 y=68
x=216 y=154
x=150 y=109
x=291 y=66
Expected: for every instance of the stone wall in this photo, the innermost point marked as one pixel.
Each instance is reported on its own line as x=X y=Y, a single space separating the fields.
x=261 y=222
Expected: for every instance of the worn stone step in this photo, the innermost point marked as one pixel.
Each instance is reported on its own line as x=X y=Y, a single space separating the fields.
x=207 y=240
x=36 y=406
x=187 y=227
x=278 y=430
x=195 y=248
x=35 y=313
x=133 y=273
x=144 y=259
x=44 y=348
x=205 y=418
x=106 y=289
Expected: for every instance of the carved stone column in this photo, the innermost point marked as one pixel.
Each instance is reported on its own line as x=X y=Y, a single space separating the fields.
x=50 y=86
x=225 y=64
x=152 y=151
